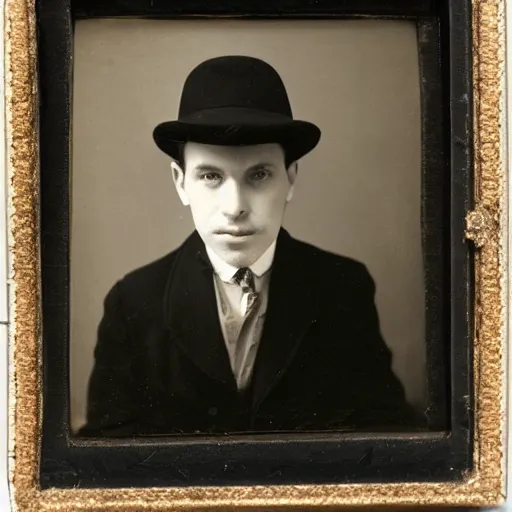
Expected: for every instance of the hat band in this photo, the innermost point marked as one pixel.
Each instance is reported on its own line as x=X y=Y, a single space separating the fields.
x=235 y=115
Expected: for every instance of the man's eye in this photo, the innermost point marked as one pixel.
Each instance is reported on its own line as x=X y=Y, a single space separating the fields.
x=210 y=177
x=260 y=175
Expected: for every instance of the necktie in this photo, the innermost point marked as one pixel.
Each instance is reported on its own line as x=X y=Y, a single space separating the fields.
x=245 y=279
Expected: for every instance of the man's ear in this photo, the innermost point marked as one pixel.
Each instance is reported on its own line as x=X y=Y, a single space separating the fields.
x=292 y=172
x=178 y=176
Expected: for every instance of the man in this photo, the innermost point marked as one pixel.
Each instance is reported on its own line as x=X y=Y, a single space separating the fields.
x=241 y=328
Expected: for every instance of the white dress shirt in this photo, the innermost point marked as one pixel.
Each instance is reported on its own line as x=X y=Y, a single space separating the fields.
x=241 y=329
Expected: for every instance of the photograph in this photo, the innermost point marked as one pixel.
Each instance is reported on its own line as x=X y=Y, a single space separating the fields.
x=256 y=254
x=246 y=235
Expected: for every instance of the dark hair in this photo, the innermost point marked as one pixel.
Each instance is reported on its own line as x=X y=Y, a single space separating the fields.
x=181 y=157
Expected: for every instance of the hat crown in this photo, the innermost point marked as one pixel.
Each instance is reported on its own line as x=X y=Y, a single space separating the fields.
x=234 y=81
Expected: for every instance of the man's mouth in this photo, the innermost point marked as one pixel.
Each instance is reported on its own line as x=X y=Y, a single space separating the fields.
x=235 y=232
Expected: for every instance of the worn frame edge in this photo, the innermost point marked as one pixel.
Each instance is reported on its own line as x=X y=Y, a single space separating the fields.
x=486 y=226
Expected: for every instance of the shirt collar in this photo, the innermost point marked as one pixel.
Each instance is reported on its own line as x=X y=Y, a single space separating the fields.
x=226 y=271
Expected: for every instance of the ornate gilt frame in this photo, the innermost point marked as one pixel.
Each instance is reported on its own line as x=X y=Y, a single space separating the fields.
x=486 y=226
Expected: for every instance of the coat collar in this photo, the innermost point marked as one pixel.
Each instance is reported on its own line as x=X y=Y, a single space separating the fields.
x=292 y=308
x=191 y=313
x=190 y=310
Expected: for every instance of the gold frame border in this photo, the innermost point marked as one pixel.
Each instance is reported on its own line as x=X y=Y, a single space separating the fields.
x=485 y=225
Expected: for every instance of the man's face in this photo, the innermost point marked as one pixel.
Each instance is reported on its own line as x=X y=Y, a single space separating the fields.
x=237 y=196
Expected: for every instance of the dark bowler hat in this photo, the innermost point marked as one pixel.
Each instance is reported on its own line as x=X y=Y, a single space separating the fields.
x=236 y=101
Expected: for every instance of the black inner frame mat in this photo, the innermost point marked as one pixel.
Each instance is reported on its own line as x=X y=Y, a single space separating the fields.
x=442 y=454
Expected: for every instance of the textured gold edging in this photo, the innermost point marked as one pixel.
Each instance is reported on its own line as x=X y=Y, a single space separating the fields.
x=485 y=484
x=22 y=171
x=490 y=196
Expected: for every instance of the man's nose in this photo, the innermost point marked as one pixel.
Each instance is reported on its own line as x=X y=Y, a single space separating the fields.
x=233 y=201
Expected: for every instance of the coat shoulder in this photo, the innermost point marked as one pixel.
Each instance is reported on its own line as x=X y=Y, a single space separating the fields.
x=147 y=283
x=322 y=263
x=153 y=270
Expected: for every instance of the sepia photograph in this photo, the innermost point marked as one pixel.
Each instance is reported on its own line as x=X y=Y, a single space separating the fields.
x=256 y=254
x=245 y=228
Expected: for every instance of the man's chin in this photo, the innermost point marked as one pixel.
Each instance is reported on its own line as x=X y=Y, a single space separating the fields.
x=237 y=251
x=238 y=255
x=237 y=259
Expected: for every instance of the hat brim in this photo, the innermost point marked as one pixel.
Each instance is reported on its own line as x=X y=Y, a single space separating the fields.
x=238 y=127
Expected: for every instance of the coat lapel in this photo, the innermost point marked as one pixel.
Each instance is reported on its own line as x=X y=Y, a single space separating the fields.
x=190 y=309
x=292 y=308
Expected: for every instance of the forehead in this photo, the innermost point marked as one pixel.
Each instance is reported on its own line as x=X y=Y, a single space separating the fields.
x=232 y=157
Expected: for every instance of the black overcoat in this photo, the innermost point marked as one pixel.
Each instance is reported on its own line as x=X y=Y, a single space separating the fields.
x=161 y=366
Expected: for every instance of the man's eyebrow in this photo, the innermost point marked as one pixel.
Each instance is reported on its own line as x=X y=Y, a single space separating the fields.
x=262 y=165
x=213 y=168
x=207 y=168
